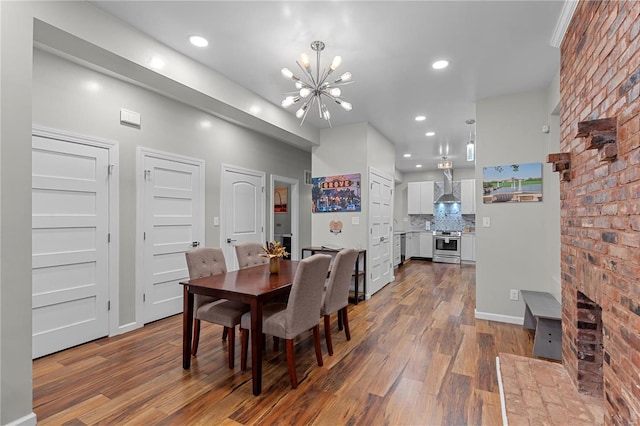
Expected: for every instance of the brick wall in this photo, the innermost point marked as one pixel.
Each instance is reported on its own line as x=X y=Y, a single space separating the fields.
x=600 y=205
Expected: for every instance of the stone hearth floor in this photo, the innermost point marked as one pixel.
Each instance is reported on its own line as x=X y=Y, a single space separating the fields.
x=538 y=392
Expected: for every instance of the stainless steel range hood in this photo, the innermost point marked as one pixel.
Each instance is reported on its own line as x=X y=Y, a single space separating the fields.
x=447 y=197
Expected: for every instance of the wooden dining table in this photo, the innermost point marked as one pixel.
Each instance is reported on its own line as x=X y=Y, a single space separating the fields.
x=253 y=286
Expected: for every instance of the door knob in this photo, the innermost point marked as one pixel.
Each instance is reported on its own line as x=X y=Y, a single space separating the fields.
x=229 y=240
x=195 y=244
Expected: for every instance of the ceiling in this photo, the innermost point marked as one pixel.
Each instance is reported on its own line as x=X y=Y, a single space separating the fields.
x=493 y=47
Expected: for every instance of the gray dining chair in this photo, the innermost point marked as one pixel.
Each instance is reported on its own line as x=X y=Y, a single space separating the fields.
x=250 y=254
x=336 y=294
x=301 y=313
x=204 y=262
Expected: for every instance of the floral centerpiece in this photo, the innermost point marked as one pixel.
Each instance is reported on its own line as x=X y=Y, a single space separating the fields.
x=274 y=251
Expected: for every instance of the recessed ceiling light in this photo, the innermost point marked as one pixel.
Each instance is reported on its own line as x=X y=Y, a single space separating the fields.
x=418 y=165
x=430 y=133
x=198 y=41
x=156 y=62
x=420 y=118
x=407 y=155
x=438 y=65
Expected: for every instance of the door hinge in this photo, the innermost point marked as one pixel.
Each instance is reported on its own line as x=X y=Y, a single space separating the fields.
x=263 y=189
x=144 y=297
x=109 y=237
x=110 y=169
x=147 y=174
x=144 y=236
x=109 y=305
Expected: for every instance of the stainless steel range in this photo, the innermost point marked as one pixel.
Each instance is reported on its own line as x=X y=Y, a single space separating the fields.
x=446 y=246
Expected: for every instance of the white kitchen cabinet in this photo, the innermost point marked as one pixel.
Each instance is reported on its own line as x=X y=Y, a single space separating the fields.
x=468 y=196
x=426 y=244
x=412 y=245
x=468 y=248
x=396 y=250
x=420 y=197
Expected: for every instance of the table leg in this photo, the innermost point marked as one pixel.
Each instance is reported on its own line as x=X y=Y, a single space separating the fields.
x=256 y=346
x=187 y=326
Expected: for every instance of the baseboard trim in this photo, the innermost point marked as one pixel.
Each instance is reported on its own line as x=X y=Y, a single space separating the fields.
x=28 y=420
x=127 y=328
x=499 y=318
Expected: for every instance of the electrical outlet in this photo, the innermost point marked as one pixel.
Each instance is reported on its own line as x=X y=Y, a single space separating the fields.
x=513 y=294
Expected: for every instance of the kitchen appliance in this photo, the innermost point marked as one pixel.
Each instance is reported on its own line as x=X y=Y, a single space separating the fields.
x=447 y=196
x=446 y=246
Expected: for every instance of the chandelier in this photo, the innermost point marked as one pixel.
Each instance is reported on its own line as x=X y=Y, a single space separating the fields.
x=313 y=87
x=445 y=164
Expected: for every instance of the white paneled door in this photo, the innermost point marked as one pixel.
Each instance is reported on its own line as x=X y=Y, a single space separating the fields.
x=70 y=244
x=243 y=204
x=173 y=197
x=380 y=230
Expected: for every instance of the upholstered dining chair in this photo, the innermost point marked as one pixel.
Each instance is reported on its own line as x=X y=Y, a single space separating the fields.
x=250 y=254
x=336 y=295
x=203 y=262
x=301 y=313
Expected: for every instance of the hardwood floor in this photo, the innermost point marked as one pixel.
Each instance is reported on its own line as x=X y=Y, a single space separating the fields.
x=417 y=356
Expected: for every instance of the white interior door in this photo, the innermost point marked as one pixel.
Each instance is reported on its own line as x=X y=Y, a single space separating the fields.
x=243 y=206
x=380 y=230
x=70 y=244
x=173 y=200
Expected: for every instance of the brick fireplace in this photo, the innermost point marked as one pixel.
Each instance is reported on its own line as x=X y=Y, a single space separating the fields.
x=600 y=206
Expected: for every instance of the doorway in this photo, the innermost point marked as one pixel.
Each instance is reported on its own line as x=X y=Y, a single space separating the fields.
x=74 y=239
x=284 y=207
x=380 y=229
x=170 y=222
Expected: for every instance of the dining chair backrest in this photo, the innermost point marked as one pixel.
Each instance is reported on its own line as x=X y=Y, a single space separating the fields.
x=337 y=294
x=204 y=262
x=305 y=299
x=250 y=254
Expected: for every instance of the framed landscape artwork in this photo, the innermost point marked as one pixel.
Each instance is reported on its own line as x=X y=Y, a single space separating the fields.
x=336 y=194
x=512 y=183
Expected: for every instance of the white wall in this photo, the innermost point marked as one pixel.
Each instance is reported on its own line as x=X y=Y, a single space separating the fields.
x=15 y=204
x=61 y=87
x=519 y=250
x=342 y=150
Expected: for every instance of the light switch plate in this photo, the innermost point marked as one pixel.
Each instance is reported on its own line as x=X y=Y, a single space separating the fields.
x=216 y=221
x=486 y=222
x=355 y=220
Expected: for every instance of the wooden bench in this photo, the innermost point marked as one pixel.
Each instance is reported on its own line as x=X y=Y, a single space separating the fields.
x=543 y=314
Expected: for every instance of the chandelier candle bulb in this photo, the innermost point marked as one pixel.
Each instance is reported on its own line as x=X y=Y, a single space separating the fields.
x=287 y=73
x=305 y=62
x=305 y=91
x=335 y=63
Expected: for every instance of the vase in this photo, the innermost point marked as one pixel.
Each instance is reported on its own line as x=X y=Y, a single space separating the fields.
x=274 y=265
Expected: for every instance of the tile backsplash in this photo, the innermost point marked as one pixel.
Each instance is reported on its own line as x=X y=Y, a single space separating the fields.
x=446 y=217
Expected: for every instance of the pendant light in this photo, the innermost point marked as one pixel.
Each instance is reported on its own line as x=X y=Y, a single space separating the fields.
x=471 y=146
